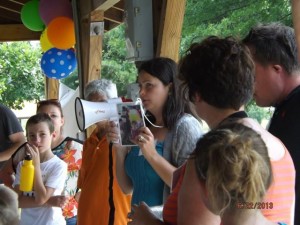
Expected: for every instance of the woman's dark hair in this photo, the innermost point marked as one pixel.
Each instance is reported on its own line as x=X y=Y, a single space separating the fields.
x=47 y=102
x=165 y=69
x=220 y=70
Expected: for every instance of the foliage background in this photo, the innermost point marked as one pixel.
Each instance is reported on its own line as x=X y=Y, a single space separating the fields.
x=21 y=78
x=20 y=74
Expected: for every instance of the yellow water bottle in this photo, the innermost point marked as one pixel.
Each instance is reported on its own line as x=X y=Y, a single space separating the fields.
x=27 y=174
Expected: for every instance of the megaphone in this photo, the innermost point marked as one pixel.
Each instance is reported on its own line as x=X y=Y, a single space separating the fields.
x=88 y=113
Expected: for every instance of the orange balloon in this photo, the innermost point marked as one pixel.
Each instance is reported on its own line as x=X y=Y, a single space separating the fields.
x=61 y=32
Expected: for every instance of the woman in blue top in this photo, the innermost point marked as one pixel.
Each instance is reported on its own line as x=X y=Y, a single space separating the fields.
x=164 y=144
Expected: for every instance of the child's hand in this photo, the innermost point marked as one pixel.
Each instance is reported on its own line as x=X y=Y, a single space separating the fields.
x=58 y=201
x=35 y=154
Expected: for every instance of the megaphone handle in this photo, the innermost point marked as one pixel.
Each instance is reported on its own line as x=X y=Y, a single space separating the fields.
x=116 y=121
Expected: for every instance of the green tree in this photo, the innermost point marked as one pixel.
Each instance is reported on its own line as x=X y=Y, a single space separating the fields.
x=257 y=112
x=230 y=17
x=21 y=78
x=114 y=63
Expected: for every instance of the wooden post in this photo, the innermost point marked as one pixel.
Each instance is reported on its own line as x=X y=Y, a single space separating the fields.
x=52 y=88
x=89 y=47
x=170 y=26
x=95 y=49
x=95 y=56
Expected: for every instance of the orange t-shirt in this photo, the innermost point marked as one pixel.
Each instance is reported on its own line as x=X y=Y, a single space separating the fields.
x=281 y=194
x=170 y=206
x=94 y=207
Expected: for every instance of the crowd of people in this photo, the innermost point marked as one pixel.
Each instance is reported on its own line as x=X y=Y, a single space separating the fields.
x=237 y=173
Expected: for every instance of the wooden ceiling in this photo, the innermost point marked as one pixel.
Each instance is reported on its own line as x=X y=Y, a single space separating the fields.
x=12 y=29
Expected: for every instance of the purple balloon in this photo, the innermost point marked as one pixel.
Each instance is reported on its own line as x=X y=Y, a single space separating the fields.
x=50 y=9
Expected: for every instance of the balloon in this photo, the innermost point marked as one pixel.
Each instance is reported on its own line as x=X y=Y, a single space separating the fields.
x=44 y=41
x=30 y=16
x=50 y=9
x=58 y=63
x=61 y=33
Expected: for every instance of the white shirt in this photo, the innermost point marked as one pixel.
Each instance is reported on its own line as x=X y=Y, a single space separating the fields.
x=54 y=174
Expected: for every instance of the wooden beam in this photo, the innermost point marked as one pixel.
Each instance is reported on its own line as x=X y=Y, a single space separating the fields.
x=95 y=5
x=104 y=4
x=81 y=16
x=169 y=36
x=157 y=6
x=17 y=32
x=114 y=15
x=109 y=25
x=10 y=14
x=11 y=6
x=119 y=5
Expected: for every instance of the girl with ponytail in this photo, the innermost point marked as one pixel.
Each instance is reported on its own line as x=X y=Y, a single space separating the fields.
x=234 y=170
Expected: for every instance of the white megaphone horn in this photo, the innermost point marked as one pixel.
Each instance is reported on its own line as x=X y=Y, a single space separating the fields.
x=88 y=113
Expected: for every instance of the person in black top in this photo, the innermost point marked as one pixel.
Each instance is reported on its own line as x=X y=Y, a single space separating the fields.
x=11 y=133
x=11 y=136
x=277 y=83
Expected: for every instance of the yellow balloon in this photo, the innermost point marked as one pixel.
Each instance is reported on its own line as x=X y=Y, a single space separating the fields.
x=44 y=41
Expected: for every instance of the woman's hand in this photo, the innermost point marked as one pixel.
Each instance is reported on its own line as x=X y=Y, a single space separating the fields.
x=142 y=215
x=145 y=140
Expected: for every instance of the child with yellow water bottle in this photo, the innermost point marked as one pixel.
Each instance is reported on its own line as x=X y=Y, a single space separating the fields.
x=49 y=175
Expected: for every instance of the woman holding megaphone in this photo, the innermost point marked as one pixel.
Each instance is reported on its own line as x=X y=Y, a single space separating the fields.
x=165 y=142
x=101 y=201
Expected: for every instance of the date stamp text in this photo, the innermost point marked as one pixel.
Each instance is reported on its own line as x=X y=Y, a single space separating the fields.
x=254 y=205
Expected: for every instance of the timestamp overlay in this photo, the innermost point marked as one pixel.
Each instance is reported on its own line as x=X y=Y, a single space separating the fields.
x=254 y=205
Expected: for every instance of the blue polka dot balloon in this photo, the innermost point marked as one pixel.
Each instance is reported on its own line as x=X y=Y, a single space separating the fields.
x=58 y=63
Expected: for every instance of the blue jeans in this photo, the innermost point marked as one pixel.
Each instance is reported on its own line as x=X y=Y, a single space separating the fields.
x=72 y=220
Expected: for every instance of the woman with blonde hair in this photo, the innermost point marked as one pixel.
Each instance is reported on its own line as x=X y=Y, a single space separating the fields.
x=234 y=172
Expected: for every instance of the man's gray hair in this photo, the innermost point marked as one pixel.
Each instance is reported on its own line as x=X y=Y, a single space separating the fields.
x=102 y=86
